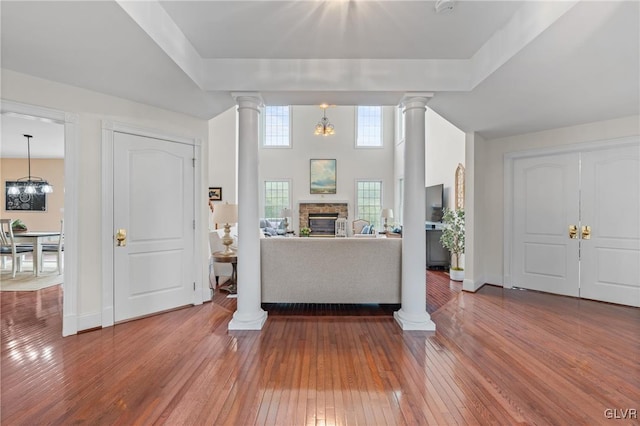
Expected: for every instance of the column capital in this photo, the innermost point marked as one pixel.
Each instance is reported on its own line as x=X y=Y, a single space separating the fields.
x=416 y=99
x=248 y=97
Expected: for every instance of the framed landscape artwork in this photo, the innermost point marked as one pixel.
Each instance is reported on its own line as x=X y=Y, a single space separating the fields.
x=323 y=176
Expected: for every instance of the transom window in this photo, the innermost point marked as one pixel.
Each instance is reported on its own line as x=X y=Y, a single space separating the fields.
x=369 y=201
x=277 y=196
x=277 y=127
x=369 y=126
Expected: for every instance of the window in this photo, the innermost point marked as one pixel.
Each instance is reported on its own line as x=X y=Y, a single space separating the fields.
x=369 y=201
x=276 y=197
x=369 y=127
x=277 y=127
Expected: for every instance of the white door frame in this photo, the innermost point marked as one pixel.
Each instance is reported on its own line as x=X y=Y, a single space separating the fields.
x=107 y=233
x=70 y=122
x=508 y=187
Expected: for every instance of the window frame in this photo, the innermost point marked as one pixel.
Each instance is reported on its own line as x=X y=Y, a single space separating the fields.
x=357 y=145
x=264 y=197
x=377 y=222
x=263 y=128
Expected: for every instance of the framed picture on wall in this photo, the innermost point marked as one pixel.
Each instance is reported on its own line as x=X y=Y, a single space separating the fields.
x=24 y=202
x=323 y=176
x=215 y=193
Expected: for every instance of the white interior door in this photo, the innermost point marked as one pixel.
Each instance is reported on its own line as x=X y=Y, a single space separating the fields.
x=545 y=204
x=154 y=203
x=610 y=259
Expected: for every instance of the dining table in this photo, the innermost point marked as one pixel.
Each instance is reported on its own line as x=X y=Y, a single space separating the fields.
x=36 y=238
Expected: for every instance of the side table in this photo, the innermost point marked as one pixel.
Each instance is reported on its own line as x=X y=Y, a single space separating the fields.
x=219 y=257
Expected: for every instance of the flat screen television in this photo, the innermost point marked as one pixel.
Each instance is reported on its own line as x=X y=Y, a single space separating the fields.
x=434 y=203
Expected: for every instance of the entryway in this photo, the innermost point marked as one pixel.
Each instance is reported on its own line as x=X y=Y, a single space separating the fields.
x=151 y=226
x=576 y=226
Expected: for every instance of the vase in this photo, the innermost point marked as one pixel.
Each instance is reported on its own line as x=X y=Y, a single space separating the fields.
x=456 y=275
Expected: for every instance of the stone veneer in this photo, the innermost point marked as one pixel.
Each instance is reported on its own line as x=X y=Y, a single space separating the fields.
x=305 y=208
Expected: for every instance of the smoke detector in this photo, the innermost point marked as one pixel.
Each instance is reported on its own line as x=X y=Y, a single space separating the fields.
x=444 y=6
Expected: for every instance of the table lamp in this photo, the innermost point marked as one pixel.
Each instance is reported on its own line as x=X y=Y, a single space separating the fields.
x=226 y=214
x=386 y=214
x=285 y=213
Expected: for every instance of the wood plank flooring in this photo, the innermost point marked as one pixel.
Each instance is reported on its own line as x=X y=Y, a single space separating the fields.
x=498 y=357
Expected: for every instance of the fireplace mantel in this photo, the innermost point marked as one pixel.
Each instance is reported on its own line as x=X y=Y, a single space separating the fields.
x=323 y=201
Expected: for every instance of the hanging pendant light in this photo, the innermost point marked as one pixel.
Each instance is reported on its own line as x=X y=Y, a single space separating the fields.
x=324 y=127
x=29 y=184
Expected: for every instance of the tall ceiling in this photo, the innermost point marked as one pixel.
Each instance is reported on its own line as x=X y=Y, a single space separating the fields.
x=496 y=67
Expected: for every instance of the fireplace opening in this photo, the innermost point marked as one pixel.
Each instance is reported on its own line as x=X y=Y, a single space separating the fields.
x=322 y=224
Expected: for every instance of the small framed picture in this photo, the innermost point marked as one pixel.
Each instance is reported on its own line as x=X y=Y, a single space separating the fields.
x=215 y=193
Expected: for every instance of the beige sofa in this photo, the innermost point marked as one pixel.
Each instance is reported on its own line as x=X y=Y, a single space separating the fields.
x=331 y=270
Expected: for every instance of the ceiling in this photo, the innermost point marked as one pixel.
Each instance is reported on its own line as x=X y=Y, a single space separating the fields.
x=47 y=140
x=496 y=67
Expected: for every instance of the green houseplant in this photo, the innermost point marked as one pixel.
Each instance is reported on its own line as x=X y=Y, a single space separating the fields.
x=304 y=231
x=453 y=240
x=18 y=226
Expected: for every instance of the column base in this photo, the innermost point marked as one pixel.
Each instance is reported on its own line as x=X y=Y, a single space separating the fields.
x=255 y=321
x=410 y=322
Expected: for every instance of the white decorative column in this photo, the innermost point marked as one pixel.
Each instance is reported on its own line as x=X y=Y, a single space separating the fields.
x=413 y=313
x=249 y=314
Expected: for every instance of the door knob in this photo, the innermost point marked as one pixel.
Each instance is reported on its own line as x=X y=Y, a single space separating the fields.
x=121 y=237
x=573 y=232
x=586 y=232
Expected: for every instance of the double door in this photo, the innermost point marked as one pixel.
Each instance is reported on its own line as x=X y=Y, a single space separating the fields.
x=576 y=224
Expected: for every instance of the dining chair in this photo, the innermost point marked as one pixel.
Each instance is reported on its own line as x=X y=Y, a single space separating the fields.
x=9 y=248
x=57 y=248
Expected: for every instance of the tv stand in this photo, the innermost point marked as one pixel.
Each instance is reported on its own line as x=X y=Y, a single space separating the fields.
x=437 y=256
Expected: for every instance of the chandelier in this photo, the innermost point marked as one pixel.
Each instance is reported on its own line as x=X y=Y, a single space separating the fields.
x=324 y=127
x=29 y=184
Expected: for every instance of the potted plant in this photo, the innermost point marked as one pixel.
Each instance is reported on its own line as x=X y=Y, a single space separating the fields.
x=453 y=240
x=304 y=231
x=18 y=226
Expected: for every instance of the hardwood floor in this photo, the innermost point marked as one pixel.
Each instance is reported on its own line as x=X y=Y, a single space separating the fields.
x=498 y=357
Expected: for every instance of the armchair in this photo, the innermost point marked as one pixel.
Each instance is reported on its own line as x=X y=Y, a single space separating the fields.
x=357 y=226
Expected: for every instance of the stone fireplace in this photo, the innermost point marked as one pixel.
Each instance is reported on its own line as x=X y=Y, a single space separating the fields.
x=321 y=217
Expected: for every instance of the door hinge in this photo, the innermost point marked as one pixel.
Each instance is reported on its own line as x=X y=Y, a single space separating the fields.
x=194 y=286
x=193 y=161
x=194 y=224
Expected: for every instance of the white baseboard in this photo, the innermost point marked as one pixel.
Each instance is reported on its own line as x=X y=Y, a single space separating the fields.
x=494 y=279
x=88 y=321
x=472 y=285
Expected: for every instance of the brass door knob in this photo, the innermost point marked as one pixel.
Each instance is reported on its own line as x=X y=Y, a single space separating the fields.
x=586 y=232
x=573 y=232
x=121 y=237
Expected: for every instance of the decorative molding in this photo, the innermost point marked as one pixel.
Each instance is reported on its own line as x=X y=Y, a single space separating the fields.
x=71 y=175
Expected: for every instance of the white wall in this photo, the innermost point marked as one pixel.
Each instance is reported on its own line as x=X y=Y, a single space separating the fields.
x=92 y=108
x=490 y=167
x=444 y=150
x=223 y=155
x=351 y=163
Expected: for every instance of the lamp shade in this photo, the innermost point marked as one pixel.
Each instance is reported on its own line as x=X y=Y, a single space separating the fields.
x=225 y=213
x=387 y=213
x=285 y=213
